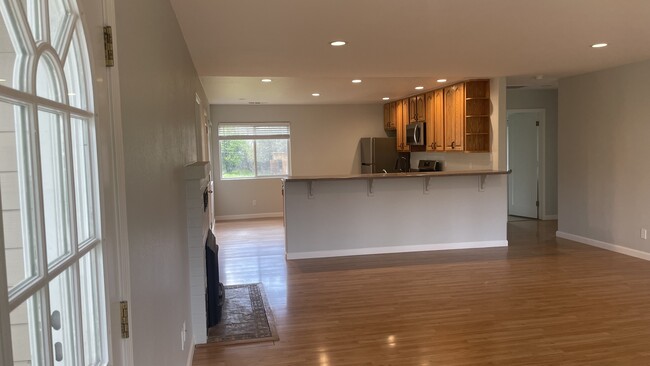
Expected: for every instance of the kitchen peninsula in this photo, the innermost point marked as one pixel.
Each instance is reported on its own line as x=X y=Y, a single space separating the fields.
x=329 y=216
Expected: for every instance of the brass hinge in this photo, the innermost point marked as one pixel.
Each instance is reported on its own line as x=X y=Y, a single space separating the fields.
x=124 y=318
x=108 y=46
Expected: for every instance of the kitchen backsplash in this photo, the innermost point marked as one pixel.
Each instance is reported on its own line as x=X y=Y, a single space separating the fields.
x=455 y=161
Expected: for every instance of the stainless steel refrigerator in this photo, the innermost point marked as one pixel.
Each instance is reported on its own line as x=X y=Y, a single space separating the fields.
x=378 y=154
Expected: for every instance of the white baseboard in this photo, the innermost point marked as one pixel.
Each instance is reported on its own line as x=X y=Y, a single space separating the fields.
x=265 y=215
x=604 y=245
x=397 y=249
x=549 y=217
x=190 y=357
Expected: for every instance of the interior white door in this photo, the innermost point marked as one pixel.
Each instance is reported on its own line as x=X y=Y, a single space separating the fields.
x=523 y=160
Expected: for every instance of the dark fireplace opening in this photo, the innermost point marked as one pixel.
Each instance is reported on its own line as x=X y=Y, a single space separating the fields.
x=214 y=295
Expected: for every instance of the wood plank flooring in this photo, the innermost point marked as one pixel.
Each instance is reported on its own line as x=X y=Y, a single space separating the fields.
x=540 y=301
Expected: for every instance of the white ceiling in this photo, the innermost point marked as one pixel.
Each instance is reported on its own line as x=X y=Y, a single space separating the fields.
x=394 y=45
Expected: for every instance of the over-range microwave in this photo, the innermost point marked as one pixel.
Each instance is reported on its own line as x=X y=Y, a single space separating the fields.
x=415 y=133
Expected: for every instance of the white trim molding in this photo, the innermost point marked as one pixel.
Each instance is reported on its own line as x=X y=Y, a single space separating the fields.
x=603 y=245
x=549 y=217
x=190 y=356
x=265 y=215
x=397 y=249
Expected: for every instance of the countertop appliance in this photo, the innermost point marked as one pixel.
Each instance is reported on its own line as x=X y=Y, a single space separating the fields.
x=429 y=166
x=415 y=134
x=378 y=155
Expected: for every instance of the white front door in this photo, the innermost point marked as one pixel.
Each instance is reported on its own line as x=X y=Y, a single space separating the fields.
x=523 y=160
x=57 y=188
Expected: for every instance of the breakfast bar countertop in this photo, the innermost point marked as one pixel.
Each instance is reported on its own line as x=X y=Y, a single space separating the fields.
x=451 y=173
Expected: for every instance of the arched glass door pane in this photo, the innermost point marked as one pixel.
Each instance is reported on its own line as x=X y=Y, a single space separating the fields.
x=47 y=84
x=75 y=74
x=57 y=14
x=7 y=56
x=32 y=10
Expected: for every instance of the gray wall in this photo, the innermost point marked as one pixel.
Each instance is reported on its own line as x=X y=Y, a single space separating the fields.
x=324 y=140
x=158 y=84
x=604 y=174
x=548 y=100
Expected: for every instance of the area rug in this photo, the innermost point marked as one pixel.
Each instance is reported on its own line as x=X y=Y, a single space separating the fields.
x=246 y=317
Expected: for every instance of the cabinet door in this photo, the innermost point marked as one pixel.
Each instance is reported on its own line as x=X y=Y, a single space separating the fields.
x=434 y=119
x=399 y=134
x=454 y=117
x=393 y=115
x=401 y=137
x=413 y=110
x=386 y=116
x=420 y=106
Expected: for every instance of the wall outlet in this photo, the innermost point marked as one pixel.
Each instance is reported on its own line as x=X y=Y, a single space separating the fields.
x=644 y=234
x=254 y=203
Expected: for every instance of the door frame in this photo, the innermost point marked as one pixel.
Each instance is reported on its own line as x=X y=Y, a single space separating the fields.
x=541 y=154
x=117 y=274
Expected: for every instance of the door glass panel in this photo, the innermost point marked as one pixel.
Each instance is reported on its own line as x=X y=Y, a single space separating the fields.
x=54 y=173
x=63 y=315
x=57 y=16
x=83 y=179
x=7 y=56
x=27 y=333
x=32 y=10
x=92 y=310
x=75 y=74
x=47 y=84
x=17 y=209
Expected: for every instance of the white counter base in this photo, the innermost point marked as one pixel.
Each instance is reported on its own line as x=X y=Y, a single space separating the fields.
x=397 y=249
x=329 y=218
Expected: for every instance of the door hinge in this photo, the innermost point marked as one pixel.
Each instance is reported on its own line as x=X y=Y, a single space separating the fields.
x=536 y=123
x=108 y=46
x=537 y=203
x=124 y=318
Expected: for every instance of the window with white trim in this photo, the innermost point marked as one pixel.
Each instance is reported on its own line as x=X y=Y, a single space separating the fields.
x=52 y=310
x=254 y=150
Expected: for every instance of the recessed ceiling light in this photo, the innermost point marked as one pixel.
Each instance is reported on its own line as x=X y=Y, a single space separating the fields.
x=315 y=94
x=72 y=94
x=442 y=80
x=266 y=80
x=419 y=87
x=338 y=43
x=385 y=98
x=356 y=81
x=599 y=45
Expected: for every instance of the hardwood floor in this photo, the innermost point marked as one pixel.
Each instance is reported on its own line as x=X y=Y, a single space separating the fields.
x=540 y=301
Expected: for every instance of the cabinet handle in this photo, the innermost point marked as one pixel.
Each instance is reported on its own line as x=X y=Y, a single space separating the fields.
x=453 y=144
x=433 y=145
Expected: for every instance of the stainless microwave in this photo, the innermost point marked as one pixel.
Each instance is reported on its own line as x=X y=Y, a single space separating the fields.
x=415 y=133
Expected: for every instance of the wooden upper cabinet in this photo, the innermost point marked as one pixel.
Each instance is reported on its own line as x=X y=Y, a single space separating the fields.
x=389 y=116
x=434 y=105
x=393 y=115
x=401 y=126
x=454 y=116
x=386 y=116
x=421 y=108
x=417 y=108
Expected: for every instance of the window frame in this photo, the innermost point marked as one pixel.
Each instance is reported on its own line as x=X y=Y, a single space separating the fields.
x=254 y=138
